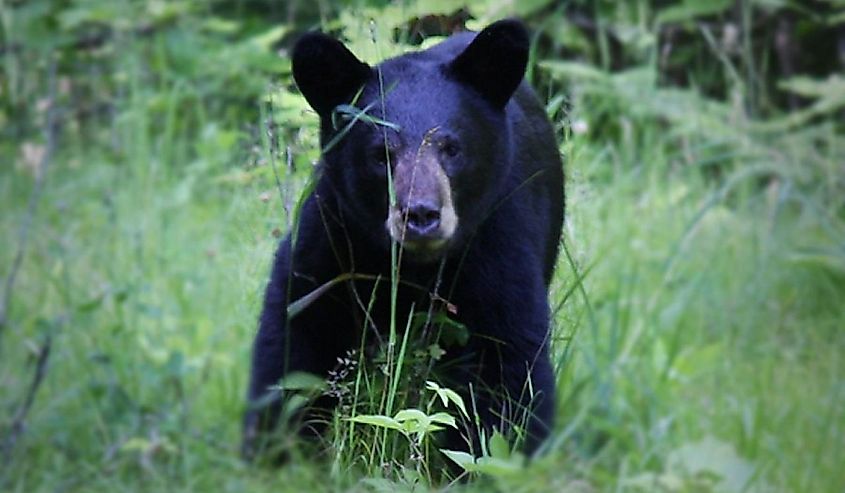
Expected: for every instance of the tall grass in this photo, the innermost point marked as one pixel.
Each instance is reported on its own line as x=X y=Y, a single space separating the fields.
x=699 y=297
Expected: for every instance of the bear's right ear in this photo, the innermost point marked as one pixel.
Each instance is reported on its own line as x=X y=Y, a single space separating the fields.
x=326 y=72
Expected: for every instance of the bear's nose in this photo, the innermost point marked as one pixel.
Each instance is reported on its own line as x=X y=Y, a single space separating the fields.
x=423 y=219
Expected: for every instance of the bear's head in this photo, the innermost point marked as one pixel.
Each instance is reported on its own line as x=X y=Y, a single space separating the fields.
x=417 y=148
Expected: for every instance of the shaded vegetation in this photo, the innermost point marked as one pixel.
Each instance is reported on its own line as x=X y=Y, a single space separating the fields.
x=154 y=151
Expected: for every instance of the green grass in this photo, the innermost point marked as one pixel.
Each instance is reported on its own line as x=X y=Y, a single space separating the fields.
x=704 y=344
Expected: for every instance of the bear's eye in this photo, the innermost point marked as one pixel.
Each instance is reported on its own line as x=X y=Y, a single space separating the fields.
x=450 y=148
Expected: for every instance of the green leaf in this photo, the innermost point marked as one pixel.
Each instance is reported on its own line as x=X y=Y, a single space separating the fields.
x=444 y=419
x=691 y=9
x=378 y=421
x=410 y=414
x=302 y=381
x=447 y=395
x=135 y=444
x=452 y=333
x=485 y=465
x=574 y=70
x=293 y=404
x=266 y=39
x=832 y=87
x=498 y=467
x=828 y=258
x=463 y=459
x=220 y=25
x=498 y=446
x=435 y=352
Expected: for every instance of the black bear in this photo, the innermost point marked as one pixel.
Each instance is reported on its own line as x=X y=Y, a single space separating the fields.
x=449 y=160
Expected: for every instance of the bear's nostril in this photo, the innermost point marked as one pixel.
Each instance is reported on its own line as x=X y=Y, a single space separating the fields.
x=423 y=219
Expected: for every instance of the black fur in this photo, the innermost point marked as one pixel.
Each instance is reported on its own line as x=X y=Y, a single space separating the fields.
x=507 y=180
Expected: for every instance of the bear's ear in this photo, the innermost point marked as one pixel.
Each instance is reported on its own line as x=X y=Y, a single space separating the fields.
x=494 y=63
x=326 y=72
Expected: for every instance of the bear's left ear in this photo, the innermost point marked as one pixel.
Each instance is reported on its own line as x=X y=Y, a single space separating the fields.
x=326 y=72
x=494 y=63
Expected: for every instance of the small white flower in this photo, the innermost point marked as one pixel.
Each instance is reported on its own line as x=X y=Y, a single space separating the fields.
x=579 y=127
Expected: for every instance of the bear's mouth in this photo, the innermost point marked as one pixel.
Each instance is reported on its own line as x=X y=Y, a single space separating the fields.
x=425 y=250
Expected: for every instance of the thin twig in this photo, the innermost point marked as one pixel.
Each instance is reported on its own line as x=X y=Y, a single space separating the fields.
x=287 y=198
x=18 y=423
x=50 y=131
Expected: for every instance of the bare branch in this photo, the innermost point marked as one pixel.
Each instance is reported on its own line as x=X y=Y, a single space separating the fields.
x=18 y=423
x=50 y=135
